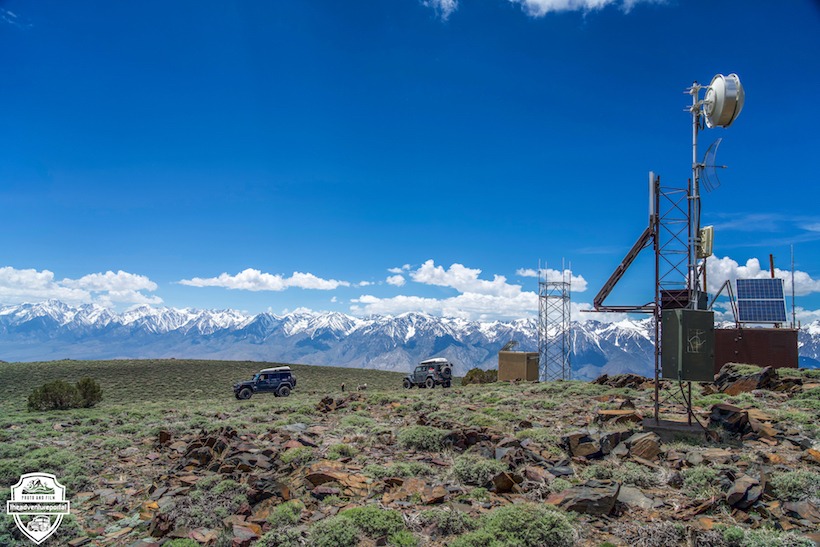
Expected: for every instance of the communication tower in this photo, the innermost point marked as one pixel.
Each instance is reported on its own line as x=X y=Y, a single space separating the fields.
x=554 y=330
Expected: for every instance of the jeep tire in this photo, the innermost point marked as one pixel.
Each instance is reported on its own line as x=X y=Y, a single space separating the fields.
x=245 y=393
x=446 y=373
x=283 y=391
x=430 y=383
x=407 y=383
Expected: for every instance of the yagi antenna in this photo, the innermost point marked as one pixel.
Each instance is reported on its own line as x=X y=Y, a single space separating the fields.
x=709 y=167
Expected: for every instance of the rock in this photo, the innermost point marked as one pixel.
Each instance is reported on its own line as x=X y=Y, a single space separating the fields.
x=744 y=492
x=205 y=536
x=621 y=380
x=619 y=416
x=644 y=445
x=243 y=536
x=805 y=510
x=732 y=382
x=811 y=455
x=79 y=541
x=732 y=418
x=634 y=497
x=415 y=487
x=164 y=437
x=505 y=482
x=321 y=492
x=328 y=471
x=128 y=452
x=593 y=497
x=591 y=444
x=717 y=455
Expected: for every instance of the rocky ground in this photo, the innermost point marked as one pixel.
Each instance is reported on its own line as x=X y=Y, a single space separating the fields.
x=561 y=463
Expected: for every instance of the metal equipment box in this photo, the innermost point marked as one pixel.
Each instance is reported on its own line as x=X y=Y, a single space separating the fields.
x=517 y=365
x=688 y=345
x=762 y=347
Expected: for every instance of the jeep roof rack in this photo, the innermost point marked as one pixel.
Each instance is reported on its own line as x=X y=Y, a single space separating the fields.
x=434 y=360
x=275 y=369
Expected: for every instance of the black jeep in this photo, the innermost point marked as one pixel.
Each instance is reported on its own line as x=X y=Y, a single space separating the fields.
x=431 y=373
x=280 y=381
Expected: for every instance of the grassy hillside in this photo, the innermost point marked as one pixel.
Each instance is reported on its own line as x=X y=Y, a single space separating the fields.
x=170 y=452
x=165 y=380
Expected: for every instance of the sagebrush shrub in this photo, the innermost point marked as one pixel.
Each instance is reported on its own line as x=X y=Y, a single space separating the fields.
x=375 y=522
x=90 y=392
x=336 y=531
x=479 y=376
x=476 y=470
x=521 y=525
x=60 y=395
x=56 y=395
x=422 y=437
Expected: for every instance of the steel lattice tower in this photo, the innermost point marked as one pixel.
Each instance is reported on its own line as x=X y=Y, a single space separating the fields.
x=554 y=331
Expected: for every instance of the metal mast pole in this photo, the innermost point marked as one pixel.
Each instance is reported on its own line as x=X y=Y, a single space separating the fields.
x=694 y=201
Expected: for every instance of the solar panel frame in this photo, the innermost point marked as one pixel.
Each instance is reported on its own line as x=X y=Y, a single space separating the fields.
x=761 y=301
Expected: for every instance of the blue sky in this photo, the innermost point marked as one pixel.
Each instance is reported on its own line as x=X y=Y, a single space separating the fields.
x=389 y=156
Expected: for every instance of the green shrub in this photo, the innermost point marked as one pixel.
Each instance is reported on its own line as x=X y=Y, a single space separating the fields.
x=60 y=395
x=341 y=450
x=479 y=376
x=701 y=482
x=559 y=485
x=337 y=531
x=448 y=522
x=398 y=469
x=796 y=485
x=764 y=537
x=422 y=437
x=56 y=395
x=286 y=514
x=476 y=470
x=375 y=522
x=283 y=537
x=623 y=472
x=299 y=455
x=541 y=435
x=90 y=392
x=182 y=543
x=521 y=525
x=403 y=538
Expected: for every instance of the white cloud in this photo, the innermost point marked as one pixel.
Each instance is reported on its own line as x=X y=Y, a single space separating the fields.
x=402 y=269
x=396 y=280
x=577 y=282
x=364 y=283
x=466 y=306
x=443 y=8
x=17 y=286
x=539 y=8
x=718 y=270
x=255 y=280
x=110 y=281
x=464 y=280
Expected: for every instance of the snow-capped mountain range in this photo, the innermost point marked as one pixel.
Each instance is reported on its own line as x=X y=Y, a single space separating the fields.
x=54 y=330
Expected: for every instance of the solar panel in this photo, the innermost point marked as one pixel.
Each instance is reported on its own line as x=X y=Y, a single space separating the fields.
x=761 y=311
x=757 y=289
x=761 y=301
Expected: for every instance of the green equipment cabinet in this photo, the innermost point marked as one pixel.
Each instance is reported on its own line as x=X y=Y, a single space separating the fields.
x=688 y=345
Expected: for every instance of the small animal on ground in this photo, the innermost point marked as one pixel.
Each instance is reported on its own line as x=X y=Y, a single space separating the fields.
x=361 y=387
x=343 y=386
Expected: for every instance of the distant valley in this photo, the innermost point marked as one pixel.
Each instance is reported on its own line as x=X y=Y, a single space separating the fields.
x=53 y=330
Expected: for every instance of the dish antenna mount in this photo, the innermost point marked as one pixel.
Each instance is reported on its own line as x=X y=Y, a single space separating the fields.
x=721 y=104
